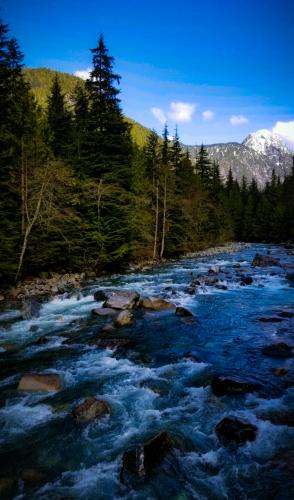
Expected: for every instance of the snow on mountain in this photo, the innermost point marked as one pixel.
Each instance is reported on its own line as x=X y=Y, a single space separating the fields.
x=257 y=156
x=266 y=142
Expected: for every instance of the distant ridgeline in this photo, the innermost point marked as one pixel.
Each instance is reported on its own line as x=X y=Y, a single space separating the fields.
x=79 y=192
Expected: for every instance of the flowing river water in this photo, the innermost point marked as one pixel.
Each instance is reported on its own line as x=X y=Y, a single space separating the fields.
x=160 y=381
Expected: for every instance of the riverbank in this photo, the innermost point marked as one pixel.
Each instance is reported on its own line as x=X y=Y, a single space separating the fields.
x=61 y=283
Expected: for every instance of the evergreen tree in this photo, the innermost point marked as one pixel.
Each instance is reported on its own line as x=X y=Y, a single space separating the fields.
x=109 y=143
x=59 y=123
x=204 y=167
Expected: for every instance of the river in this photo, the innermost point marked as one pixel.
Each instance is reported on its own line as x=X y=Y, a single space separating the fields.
x=160 y=381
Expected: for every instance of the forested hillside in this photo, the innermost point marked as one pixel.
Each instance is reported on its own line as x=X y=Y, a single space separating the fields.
x=41 y=79
x=78 y=193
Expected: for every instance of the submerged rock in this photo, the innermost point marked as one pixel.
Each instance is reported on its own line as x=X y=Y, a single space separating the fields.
x=280 y=372
x=30 y=309
x=182 y=311
x=125 y=318
x=246 y=280
x=112 y=343
x=231 y=385
x=91 y=409
x=235 y=429
x=271 y=319
x=285 y=314
x=141 y=460
x=104 y=311
x=125 y=299
x=39 y=382
x=279 y=417
x=156 y=304
x=278 y=350
x=290 y=277
x=108 y=328
x=264 y=261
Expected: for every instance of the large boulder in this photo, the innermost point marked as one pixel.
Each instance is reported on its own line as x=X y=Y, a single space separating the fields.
x=124 y=299
x=156 y=304
x=264 y=261
x=124 y=318
x=91 y=409
x=222 y=386
x=39 y=382
x=235 y=429
x=278 y=350
x=140 y=461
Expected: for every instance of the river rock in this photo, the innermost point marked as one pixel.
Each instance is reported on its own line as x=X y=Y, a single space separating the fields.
x=141 y=460
x=246 y=280
x=108 y=328
x=235 y=429
x=278 y=350
x=290 y=277
x=231 y=385
x=30 y=309
x=270 y=319
x=104 y=311
x=210 y=280
x=190 y=290
x=102 y=295
x=214 y=270
x=286 y=314
x=112 y=343
x=279 y=417
x=280 y=372
x=124 y=299
x=91 y=409
x=39 y=382
x=182 y=311
x=264 y=261
x=124 y=318
x=156 y=304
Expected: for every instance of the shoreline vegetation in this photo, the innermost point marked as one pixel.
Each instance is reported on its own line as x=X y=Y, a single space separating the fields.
x=49 y=285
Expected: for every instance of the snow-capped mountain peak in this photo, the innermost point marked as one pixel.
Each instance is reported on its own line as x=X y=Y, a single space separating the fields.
x=266 y=142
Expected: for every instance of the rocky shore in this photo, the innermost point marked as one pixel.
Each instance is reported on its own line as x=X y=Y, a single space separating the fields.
x=61 y=283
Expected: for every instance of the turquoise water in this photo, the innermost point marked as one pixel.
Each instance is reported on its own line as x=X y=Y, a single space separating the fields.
x=225 y=337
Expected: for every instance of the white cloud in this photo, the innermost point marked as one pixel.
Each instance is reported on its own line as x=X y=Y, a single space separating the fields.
x=207 y=115
x=83 y=73
x=238 y=120
x=285 y=130
x=178 y=112
x=159 y=114
x=181 y=112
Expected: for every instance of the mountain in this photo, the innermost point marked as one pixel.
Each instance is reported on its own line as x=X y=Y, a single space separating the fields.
x=41 y=79
x=257 y=156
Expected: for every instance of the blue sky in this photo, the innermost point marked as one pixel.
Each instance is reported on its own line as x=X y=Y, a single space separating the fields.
x=219 y=69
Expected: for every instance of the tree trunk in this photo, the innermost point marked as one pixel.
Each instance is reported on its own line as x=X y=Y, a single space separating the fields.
x=156 y=223
x=30 y=225
x=163 y=217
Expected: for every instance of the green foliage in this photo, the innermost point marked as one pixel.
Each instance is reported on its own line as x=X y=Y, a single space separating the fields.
x=77 y=194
